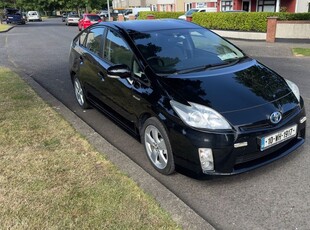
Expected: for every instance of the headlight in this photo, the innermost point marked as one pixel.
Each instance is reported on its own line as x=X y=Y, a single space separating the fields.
x=200 y=116
x=294 y=88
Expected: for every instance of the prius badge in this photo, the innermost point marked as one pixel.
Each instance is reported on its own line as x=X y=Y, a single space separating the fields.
x=275 y=117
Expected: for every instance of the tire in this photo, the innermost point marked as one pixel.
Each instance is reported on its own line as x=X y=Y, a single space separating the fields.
x=79 y=93
x=157 y=146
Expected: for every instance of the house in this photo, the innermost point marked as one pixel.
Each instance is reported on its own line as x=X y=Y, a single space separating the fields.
x=293 y=6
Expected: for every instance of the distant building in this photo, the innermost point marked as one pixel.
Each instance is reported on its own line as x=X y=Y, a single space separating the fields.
x=293 y=6
x=165 y=5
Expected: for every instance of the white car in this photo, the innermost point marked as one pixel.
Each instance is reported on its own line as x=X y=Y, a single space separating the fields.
x=33 y=16
x=193 y=10
x=72 y=19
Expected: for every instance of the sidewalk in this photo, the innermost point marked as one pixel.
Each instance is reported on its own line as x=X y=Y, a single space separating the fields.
x=283 y=48
x=255 y=36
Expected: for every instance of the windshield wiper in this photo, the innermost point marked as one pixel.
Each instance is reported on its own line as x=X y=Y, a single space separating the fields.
x=210 y=66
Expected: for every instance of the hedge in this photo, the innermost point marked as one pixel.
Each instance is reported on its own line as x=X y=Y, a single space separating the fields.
x=239 y=21
x=144 y=14
x=253 y=21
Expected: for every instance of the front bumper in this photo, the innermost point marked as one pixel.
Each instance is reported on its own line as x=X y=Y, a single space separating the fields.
x=228 y=159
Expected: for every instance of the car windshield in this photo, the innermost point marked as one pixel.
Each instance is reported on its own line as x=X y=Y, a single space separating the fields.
x=185 y=50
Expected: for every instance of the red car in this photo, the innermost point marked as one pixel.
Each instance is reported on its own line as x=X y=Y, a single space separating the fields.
x=87 y=20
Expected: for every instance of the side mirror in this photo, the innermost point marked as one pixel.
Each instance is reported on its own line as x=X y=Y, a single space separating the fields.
x=119 y=71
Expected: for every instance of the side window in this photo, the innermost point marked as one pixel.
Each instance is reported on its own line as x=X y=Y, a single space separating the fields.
x=116 y=49
x=82 y=38
x=93 y=41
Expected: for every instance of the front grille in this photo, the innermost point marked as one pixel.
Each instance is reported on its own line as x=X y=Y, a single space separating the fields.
x=265 y=124
x=251 y=159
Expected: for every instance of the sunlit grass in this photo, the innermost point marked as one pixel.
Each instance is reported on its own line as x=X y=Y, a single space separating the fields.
x=52 y=178
x=4 y=27
x=301 y=51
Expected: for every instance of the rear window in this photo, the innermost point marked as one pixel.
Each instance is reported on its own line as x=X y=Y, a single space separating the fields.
x=73 y=16
x=93 y=17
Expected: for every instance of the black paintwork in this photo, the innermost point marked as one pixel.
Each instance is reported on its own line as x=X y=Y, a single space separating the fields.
x=245 y=94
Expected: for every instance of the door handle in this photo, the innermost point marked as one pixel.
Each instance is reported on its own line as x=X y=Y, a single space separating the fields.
x=101 y=75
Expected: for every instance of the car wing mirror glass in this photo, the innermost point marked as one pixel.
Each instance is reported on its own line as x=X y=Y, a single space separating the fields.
x=118 y=71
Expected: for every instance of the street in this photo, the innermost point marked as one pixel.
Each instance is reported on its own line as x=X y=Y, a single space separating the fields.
x=273 y=197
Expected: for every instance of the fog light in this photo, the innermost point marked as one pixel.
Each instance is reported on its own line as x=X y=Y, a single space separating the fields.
x=206 y=159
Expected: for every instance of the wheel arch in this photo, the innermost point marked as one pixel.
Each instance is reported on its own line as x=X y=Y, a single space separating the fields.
x=72 y=74
x=146 y=115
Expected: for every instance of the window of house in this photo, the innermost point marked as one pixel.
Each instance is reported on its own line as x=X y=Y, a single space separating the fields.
x=266 y=5
x=226 y=5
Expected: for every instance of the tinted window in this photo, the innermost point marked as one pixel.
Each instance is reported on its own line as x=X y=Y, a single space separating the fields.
x=73 y=16
x=93 y=17
x=116 y=49
x=93 y=41
x=170 y=51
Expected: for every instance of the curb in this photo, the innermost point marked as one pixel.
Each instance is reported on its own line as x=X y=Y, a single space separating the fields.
x=180 y=212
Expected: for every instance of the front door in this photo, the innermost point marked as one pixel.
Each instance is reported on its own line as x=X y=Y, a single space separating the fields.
x=246 y=6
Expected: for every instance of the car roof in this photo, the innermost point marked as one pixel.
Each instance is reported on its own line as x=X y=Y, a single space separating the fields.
x=131 y=26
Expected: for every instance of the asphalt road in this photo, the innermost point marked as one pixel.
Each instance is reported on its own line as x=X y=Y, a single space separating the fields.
x=276 y=196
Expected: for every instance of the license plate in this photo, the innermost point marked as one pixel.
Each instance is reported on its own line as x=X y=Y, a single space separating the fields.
x=277 y=138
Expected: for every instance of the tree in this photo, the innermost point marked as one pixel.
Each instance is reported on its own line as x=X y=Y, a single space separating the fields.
x=51 y=5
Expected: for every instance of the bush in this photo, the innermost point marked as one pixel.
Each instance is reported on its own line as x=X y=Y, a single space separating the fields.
x=253 y=21
x=144 y=14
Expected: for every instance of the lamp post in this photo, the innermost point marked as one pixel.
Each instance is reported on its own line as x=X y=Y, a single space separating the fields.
x=108 y=2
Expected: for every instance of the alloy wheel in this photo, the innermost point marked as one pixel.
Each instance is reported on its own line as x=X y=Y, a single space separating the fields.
x=156 y=147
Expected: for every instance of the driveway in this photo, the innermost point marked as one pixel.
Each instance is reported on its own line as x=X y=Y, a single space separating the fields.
x=272 y=197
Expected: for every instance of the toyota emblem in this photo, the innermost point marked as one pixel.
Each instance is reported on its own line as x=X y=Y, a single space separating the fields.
x=275 y=117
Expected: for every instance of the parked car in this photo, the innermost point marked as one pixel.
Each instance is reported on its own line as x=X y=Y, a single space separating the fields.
x=196 y=101
x=33 y=16
x=193 y=10
x=235 y=11
x=72 y=19
x=88 y=20
x=135 y=11
x=14 y=16
x=104 y=13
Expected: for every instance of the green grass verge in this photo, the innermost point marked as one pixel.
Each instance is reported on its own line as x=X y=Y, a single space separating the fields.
x=301 y=51
x=52 y=178
x=4 y=27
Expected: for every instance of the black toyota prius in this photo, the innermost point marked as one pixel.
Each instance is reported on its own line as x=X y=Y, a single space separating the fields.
x=196 y=101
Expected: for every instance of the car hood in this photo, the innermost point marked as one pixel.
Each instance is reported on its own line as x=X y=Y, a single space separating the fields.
x=247 y=88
